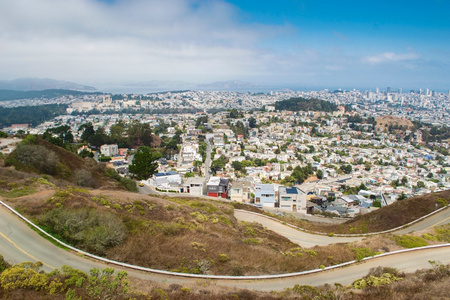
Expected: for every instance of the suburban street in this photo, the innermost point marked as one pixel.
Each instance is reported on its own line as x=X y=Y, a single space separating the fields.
x=207 y=171
x=20 y=243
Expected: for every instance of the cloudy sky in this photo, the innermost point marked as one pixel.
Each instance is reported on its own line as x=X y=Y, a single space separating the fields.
x=361 y=44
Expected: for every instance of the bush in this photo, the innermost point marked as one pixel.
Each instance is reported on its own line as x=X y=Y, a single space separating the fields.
x=112 y=174
x=361 y=253
x=370 y=280
x=129 y=184
x=409 y=241
x=3 y=264
x=252 y=241
x=24 y=276
x=223 y=258
x=86 y=228
x=36 y=157
x=84 y=178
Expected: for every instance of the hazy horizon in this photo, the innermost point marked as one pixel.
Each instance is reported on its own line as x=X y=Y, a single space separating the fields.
x=297 y=43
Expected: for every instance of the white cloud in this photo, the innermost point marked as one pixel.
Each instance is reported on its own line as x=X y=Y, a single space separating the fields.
x=127 y=40
x=92 y=42
x=387 y=57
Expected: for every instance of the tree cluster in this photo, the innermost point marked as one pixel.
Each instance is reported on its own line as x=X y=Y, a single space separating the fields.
x=130 y=135
x=303 y=104
x=33 y=115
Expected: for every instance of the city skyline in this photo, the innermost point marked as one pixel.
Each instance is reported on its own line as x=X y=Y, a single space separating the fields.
x=290 y=43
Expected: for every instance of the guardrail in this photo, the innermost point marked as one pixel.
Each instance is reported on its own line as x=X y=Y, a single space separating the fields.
x=216 y=277
x=348 y=234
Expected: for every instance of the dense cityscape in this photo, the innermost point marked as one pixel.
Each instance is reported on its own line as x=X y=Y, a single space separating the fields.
x=224 y=149
x=372 y=150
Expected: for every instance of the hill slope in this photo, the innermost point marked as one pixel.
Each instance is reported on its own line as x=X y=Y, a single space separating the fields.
x=36 y=84
x=39 y=156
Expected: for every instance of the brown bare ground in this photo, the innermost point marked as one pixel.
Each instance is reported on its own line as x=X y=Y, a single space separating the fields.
x=190 y=235
x=389 y=217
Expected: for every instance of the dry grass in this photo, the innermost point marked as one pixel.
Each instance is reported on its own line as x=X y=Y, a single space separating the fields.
x=68 y=166
x=389 y=217
x=192 y=235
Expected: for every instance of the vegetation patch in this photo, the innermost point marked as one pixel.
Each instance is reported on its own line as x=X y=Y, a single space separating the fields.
x=27 y=281
x=361 y=253
x=409 y=241
x=85 y=228
x=385 y=218
x=441 y=234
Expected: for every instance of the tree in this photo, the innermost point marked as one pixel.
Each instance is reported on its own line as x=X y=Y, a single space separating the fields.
x=117 y=134
x=420 y=184
x=59 y=135
x=139 y=134
x=319 y=174
x=200 y=121
x=144 y=163
x=88 y=131
x=347 y=169
x=218 y=163
x=234 y=114
x=402 y=196
x=237 y=165
x=404 y=180
x=189 y=174
x=252 y=122
x=99 y=138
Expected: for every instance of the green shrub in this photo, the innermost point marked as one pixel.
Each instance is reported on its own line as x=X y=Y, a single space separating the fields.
x=252 y=241
x=112 y=174
x=223 y=258
x=361 y=253
x=430 y=237
x=3 y=264
x=129 y=184
x=84 y=178
x=24 y=276
x=371 y=280
x=85 y=228
x=35 y=157
x=409 y=241
x=443 y=233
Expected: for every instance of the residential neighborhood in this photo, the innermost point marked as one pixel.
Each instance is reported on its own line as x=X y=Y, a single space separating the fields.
x=367 y=154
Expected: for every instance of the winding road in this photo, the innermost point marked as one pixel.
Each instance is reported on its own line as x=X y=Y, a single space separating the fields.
x=298 y=237
x=19 y=243
x=308 y=240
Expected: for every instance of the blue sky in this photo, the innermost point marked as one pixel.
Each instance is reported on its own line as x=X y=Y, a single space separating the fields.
x=348 y=44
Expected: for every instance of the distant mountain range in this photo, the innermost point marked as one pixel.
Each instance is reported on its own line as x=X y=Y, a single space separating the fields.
x=183 y=85
x=39 y=84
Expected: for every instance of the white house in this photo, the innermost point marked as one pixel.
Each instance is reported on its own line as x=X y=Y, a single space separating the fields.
x=109 y=150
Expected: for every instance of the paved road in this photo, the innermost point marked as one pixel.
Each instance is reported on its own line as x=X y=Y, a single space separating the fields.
x=19 y=243
x=296 y=236
x=309 y=240
x=438 y=219
x=147 y=190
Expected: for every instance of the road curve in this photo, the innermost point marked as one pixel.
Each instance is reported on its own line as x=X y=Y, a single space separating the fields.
x=298 y=237
x=305 y=239
x=20 y=243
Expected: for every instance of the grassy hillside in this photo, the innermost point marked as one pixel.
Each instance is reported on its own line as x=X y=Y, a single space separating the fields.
x=176 y=234
x=35 y=155
x=389 y=217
